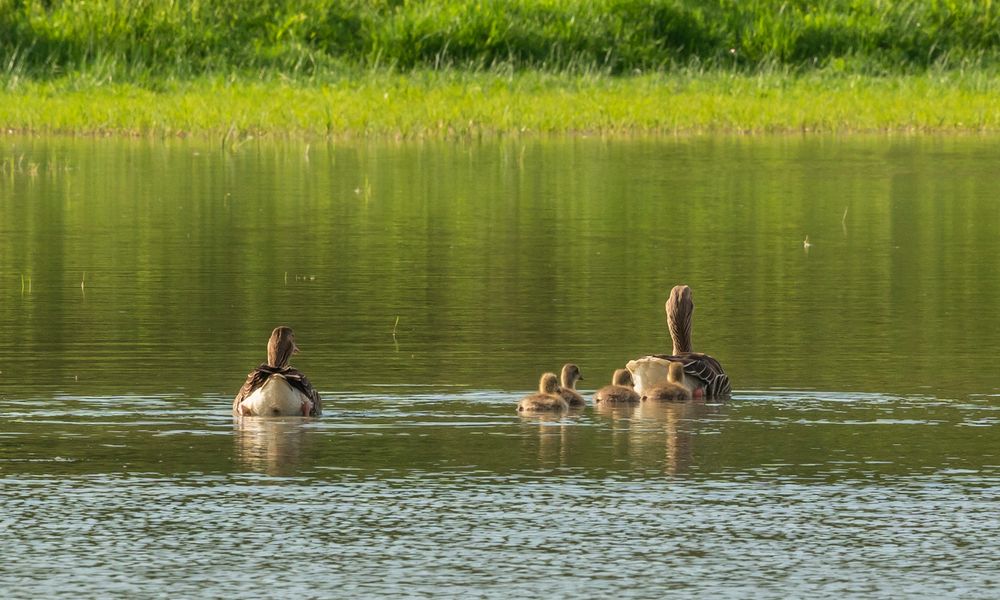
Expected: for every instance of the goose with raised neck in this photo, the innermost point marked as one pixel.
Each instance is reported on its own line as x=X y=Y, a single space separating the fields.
x=703 y=375
x=276 y=389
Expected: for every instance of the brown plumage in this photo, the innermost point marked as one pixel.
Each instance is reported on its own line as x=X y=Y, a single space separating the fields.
x=280 y=348
x=568 y=378
x=546 y=399
x=703 y=375
x=673 y=389
x=620 y=390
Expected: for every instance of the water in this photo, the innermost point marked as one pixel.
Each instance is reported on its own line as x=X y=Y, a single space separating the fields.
x=857 y=457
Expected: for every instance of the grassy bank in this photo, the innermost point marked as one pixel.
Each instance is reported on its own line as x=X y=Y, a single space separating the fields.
x=450 y=68
x=458 y=104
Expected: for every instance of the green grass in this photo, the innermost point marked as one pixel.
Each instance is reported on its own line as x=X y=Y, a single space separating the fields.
x=453 y=68
x=150 y=38
x=454 y=104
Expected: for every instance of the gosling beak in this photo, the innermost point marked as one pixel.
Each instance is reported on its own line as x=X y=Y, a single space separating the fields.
x=295 y=349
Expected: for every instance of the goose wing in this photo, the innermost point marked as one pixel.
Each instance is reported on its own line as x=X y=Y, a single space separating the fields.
x=299 y=381
x=255 y=379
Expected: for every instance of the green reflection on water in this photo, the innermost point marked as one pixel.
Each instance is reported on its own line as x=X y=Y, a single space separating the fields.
x=160 y=267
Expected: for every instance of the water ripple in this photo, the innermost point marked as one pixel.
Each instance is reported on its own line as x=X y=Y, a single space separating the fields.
x=440 y=493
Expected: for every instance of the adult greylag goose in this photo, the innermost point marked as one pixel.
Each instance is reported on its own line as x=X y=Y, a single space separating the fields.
x=567 y=385
x=672 y=390
x=703 y=375
x=274 y=389
x=620 y=391
x=546 y=399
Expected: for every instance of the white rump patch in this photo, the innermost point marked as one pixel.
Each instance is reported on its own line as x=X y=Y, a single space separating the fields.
x=276 y=398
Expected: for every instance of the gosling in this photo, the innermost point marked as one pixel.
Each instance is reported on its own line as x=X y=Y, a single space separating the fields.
x=671 y=390
x=547 y=398
x=620 y=391
x=570 y=375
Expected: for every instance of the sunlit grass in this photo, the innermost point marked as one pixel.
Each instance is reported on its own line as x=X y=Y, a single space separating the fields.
x=449 y=68
x=150 y=38
x=450 y=104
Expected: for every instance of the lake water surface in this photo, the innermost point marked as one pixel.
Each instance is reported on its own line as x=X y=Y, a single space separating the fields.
x=429 y=286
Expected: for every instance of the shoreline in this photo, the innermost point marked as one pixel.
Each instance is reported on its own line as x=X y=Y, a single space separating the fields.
x=435 y=105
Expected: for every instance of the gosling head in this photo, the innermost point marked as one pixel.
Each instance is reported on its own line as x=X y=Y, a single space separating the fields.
x=675 y=372
x=623 y=378
x=549 y=384
x=281 y=347
x=570 y=375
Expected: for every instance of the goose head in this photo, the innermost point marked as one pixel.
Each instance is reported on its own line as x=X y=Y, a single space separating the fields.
x=281 y=347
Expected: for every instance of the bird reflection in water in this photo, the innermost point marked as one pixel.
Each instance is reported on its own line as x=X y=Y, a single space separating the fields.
x=554 y=432
x=655 y=434
x=670 y=425
x=271 y=446
x=620 y=416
